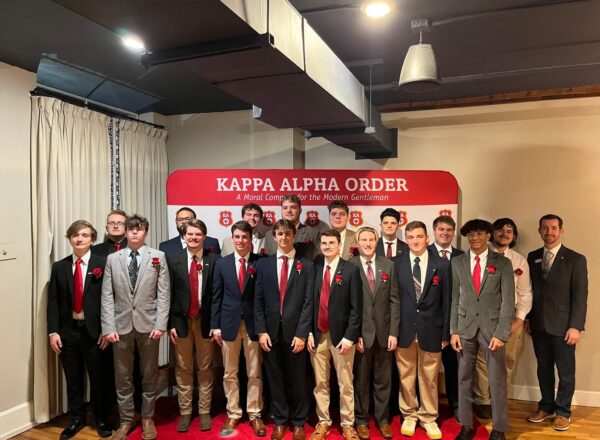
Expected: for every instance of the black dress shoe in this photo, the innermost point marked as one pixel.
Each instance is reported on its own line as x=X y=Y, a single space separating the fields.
x=75 y=426
x=497 y=435
x=103 y=429
x=466 y=433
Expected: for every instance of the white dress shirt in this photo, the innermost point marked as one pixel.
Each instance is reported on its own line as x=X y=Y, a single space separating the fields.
x=482 y=262
x=440 y=249
x=423 y=260
x=200 y=263
x=365 y=266
x=291 y=255
x=523 y=295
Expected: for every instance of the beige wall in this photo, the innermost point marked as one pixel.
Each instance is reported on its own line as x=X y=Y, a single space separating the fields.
x=15 y=227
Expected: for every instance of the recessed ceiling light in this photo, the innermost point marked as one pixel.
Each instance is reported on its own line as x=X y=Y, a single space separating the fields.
x=376 y=8
x=134 y=43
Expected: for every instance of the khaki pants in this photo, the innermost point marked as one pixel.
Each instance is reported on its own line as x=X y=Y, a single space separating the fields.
x=418 y=366
x=231 y=384
x=481 y=384
x=184 y=355
x=321 y=360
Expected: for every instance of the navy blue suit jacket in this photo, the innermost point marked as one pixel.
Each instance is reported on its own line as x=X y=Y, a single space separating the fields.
x=173 y=246
x=455 y=252
x=401 y=248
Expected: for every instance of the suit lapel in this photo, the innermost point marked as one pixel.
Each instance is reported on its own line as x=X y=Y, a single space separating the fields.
x=466 y=267
x=123 y=259
x=557 y=261
x=88 y=273
x=142 y=268
x=431 y=269
x=68 y=268
x=408 y=279
x=491 y=261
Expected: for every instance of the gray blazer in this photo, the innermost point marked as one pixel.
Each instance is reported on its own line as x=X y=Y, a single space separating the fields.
x=145 y=306
x=493 y=309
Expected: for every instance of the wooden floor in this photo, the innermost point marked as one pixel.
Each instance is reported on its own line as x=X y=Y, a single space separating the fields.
x=585 y=424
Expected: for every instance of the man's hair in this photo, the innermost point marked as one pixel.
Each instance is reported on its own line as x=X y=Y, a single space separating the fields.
x=551 y=217
x=77 y=226
x=444 y=219
x=242 y=226
x=476 y=225
x=366 y=229
x=283 y=224
x=291 y=198
x=195 y=223
x=338 y=204
x=252 y=206
x=415 y=224
x=330 y=233
x=137 y=221
x=389 y=212
x=185 y=208
x=502 y=222
x=116 y=212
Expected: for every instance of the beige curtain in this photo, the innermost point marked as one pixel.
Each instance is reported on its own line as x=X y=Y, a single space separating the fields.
x=70 y=173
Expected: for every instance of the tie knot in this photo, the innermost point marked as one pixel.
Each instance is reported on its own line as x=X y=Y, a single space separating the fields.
x=284 y=258
x=242 y=260
x=417 y=260
x=369 y=262
x=328 y=268
x=194 y=258
x=134 y=254
x=477 y=258
x=79 y=261
x=390 y=243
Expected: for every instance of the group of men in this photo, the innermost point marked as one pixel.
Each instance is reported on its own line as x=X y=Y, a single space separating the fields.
x=297 y=296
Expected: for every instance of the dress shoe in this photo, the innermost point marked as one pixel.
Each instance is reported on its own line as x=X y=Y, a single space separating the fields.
x=205 y=422
x=122 y=432
x=432 y=429
x=497 y=435
x=483 y=411
x=148 y=428
x=298 y=433
x=386 y=430
x=321 y=430
x=103 y=429
x=466 y=433
x=258 y=427
x=408 y=427
x=539 y=416
x=278 y=432
x=75 y=426
x=350 y=433
x=229 y=426
x=561 y=423
x=184 y=423
x=363 y=431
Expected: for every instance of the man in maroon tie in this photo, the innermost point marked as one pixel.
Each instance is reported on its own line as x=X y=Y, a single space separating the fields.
x=389 y=245
x=115 y=239
x=191 y=273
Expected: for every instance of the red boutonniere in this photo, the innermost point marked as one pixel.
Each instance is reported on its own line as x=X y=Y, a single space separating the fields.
x=156 y=263
x=97 y=273
x=491 y=268
x=262 y=251
x=338 y=279
x=518 y=272
x=384 y=277
x=199 y=268
x=251 y=271
x=435 y=280
x=354 y=251
x=299 y=266
x=308 y=242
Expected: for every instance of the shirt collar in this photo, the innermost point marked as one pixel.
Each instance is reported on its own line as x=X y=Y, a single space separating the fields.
x=554 y=250
x=363 y=260
x=199 y=255
x=334 y=263
x=422 y=257
x=440 y=248
x=482 y=256
x=238 y=256
x=291 y=255
x=85 y=258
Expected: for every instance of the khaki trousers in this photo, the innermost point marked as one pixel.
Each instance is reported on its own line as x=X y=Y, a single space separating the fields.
x=481 y=384
x=184 y=356
x=418 y=366
x=321 y=362
x=231 y=385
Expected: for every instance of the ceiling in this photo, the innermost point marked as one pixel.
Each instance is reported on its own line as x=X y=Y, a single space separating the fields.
x=486 y=50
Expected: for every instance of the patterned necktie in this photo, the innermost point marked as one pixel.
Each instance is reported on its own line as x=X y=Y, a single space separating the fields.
x=371 y=276
x=133 y=268
x=416 y=273
x=323 y=321
x=477 y=275
x=388 y=252
x=242 y=274
x=445 y=254
x=78 y=287
x=547 y=263
x=283 y=279
x=194 y=307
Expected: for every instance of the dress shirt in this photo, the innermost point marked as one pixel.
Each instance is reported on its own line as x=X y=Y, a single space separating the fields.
x=394 y=242
x=554 y=251
x=141 y=251
x=482 y=262
x=343 y=240
x=238 y=264
x=291 y=255
x=200 y=272
x=423 y=259
x=365 y=266
x=183 y=243
x=85 y=261
x=523 y=294
x=440 y=249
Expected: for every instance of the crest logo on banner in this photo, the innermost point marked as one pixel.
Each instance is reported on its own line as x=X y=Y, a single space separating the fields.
x=356 y=218
x=447 y=212
x=268 y=218
x=403 y=218
x=312 y=218
x=225 y=218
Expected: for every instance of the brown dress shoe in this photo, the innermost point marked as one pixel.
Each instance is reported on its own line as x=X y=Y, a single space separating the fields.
x=205 y=422
x=184 y=423
x=229 y=426
x=258 y=426
x=122 y=432
x=349 y=433
x=363 y=431
x=321 y=430
x=148 y=428
x=278 y=432
x=561 y=423
x=386 y=430
x=539 y=416
x=299 y=433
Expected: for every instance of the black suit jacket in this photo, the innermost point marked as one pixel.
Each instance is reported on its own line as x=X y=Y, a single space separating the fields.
x=401 y=248
x=173 y=246
x=455 y=252
x=559 y=301
x=180 y=292
x=345 y=302
x=297 y=305
x=60 y=297
x=429 y=318
x=107 y=247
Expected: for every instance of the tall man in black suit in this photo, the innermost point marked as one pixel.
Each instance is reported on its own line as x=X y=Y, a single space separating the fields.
x=337 y=318
x=444 y=229
x=283 y=318
x=74 y=328
x=232 y=324
x=556 y=320
x=425 y=296
x=379 y=334
x=191 y=273
x=389 y=245
x=115 y=234
x=176 y=244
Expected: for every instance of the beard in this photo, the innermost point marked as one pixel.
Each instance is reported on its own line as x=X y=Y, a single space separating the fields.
x=180 y=230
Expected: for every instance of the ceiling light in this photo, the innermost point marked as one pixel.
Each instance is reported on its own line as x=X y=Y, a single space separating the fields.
x=134 y=43
x=376 y=8
x=419 y=70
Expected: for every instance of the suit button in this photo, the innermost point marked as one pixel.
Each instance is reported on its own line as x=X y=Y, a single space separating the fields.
x=414 y=324
x=418 y=310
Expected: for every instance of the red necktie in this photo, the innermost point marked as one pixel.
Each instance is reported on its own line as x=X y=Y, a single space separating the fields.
x=194 y=307
x=242 y=275
x=370 y=276
x=78 y=287
x=477 y=275
x=323 y=321
x=388 y=252
x=118 y=246
x=283 y=279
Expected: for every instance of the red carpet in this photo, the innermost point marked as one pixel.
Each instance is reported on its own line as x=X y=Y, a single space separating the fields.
x=167 y=417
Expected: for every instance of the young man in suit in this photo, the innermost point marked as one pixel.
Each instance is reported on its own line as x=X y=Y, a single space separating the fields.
x=338 y=219
x=557 y=318
x=389 y=245
x=135 y=311
x=115 y=234
x=444 y=229
x=337 y=317
x=379 y=334
x=191 y=273
x=253 y=214
x=425 y=297
x=504 y=238
x=483 y=308
x=283 y=318
x=74 y=329
x=232 y=325
x=176 y=244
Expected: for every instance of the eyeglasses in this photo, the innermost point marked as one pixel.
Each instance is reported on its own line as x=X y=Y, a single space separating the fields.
x=328 y=244
x=474 y=234
x=184 y=219
x=115 y=224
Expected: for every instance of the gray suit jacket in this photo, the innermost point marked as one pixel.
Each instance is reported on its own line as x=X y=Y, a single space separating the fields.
x=349 y=243
x=144 y=306
x=493 y=309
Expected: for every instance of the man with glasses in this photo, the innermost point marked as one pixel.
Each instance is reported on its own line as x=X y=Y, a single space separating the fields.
x=176 y=244
x=115 y=234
